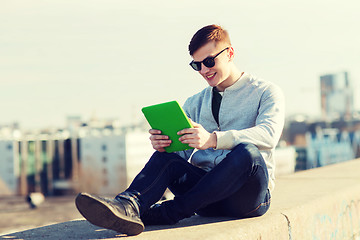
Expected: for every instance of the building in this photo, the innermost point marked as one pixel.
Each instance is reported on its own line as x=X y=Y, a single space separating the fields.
x=336 y=96
x=101 y=161
x=109 y=161
x=9 y=167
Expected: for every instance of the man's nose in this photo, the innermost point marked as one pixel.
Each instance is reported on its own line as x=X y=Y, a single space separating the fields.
x=204 y=69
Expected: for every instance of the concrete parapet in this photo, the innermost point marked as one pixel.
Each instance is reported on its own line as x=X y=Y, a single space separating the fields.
x=321 y=203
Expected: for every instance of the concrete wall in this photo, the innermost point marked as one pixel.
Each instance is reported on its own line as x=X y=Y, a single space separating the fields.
x=317 y=204
x=322 y=203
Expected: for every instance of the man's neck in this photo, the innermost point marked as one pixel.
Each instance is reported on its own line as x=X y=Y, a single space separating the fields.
x=233 y=78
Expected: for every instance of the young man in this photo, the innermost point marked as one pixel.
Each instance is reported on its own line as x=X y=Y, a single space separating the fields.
x=237 y=123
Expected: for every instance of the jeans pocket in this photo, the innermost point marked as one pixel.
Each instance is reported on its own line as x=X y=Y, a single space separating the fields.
x=262 y=208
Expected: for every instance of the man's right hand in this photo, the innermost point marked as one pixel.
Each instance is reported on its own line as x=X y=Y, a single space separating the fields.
x=158 y=141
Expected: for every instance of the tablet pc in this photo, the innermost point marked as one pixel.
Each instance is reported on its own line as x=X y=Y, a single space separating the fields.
x=170 y=118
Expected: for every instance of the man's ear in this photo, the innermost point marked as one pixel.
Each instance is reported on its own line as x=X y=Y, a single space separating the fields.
x=231 y=53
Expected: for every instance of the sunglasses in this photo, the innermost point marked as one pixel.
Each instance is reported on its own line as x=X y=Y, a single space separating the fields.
x=208 y=62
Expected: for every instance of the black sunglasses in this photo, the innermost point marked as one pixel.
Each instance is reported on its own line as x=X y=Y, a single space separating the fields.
x=208 y=62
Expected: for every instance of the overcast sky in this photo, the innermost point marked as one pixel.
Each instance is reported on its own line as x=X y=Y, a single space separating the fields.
x=109 y=58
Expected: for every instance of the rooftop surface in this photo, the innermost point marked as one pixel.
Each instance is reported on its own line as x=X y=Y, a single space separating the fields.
x=322 y=203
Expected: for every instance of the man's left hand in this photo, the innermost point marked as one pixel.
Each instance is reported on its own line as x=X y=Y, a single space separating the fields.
x=198 y=137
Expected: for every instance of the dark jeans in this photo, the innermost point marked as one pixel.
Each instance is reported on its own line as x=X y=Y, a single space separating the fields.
x=236 y=187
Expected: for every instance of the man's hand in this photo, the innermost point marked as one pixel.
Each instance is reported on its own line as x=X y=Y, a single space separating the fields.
x=198 y=137
x=158 y=141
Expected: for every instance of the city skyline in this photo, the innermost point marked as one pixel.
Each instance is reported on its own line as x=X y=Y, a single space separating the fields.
x=111 y=58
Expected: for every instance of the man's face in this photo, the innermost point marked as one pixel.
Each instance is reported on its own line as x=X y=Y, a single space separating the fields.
x=217 y=75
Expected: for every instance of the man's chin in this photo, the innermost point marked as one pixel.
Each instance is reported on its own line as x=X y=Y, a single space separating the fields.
x=212 y=83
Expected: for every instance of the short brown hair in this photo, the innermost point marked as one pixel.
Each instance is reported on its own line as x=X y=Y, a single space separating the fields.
x=207 y=34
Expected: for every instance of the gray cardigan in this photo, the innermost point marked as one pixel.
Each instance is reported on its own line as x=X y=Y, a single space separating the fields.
x=252 y=111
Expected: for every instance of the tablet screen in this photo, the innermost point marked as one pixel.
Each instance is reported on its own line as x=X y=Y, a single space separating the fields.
x=169 y=118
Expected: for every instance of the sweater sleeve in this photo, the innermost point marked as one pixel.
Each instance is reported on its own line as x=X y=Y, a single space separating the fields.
x=268 y=126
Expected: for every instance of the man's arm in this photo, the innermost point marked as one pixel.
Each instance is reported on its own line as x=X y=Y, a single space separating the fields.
x=268 y=126
x=265 y=134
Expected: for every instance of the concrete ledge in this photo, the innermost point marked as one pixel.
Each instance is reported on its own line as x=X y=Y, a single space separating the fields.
x=321 y=203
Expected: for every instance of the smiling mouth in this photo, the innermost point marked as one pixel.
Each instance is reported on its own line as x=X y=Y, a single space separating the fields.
x=210 y=76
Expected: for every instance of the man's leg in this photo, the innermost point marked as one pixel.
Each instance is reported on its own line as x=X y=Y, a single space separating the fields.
x=162 y=171
x=252 y=200
x=198 y=189
x=122 y=214
x=235 y=187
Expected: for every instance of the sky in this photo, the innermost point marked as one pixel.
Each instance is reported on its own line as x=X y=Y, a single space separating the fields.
x=109 y=58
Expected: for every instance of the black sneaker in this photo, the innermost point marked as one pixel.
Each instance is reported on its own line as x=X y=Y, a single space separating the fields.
x=119 y=214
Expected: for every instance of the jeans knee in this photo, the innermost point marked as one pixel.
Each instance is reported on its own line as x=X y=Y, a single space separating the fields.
x=245 y=156
x=246 y=151
x=250 y=152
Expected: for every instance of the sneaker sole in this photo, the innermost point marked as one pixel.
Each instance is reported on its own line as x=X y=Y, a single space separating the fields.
x=100 y=213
